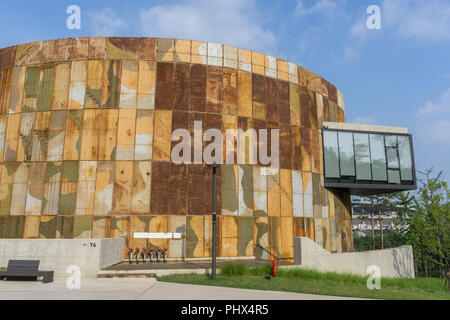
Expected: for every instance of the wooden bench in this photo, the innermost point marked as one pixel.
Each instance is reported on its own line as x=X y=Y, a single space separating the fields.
x=26 y=269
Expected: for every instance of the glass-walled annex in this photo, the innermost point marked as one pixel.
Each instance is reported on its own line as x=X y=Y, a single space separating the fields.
x=367 y=161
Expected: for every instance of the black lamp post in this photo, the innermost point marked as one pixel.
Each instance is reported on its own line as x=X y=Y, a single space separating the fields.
x=214 y=217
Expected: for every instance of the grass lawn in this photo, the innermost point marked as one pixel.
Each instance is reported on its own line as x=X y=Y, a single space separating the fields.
x=313 y=282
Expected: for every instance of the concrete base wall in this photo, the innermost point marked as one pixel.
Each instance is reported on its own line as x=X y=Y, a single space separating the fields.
x=57 y=254
x=393 y=263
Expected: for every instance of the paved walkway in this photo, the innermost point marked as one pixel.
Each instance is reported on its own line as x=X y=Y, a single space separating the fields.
x=139 y=289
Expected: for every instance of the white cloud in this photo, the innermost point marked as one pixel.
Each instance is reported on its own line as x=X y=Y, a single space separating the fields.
x=233 y=22
x=364 y=120
x=105 y=22
x=441 y=106
x=437 y=131
x=424 y=20
x=327 y=7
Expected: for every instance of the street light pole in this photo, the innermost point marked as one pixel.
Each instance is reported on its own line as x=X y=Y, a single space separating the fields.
x=214 y=217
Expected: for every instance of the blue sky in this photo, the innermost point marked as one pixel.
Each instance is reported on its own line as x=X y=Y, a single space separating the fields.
x=399 y=75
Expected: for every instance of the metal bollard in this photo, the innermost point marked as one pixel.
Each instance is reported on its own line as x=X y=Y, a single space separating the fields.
x=151 y=255
x=144 y=255
x=137 y=255
x=165 y=255
x=130 y=255
x=158 y=255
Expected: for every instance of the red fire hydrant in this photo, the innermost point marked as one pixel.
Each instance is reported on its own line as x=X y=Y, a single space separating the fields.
x=274 y=264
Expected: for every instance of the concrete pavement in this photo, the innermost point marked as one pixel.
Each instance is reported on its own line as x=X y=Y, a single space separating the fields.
x=139 y=289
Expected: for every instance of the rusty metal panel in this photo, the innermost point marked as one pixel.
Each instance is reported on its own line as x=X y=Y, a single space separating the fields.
x=162 y=135
x=122 y=48
x=119 y=227
x=31 y=89
x=6 y=185
x=6 y=77
x=56 y=136
x=297 y=194
x=273 y=195
x=214 y=89
x=307 y=194
x=108 y=134
x=180 y=99
x=197 y=100
x=72 y=141
x=146 y=85
x=309 y=228
x=122 y=187
x=3 y=124
x=194 y=236
x=177 y=247
x=94 y=83
x=82 y=227
x=275 y=246
x=286 y=193
x=40 y=136
x=299 y=227
x=25 y=143
x=245 y=190
x=51 y=188
x=244 y=60
x=164 y=50
x=90 y=132
x=261 y=237
x=245 y=94
x=12 y=134
x=147 y=49
x=140 y=200
x=46 y=85
x=138 y=224
x=282 y=67
x=28 y=53
x=306 y=149
x=60 y=92
x=35 y=193
x=229 y=231
x=101 y=228
x=126 y=134
x=111 y=84
x=8 y=57
x=178 y=190
x=17 y=90
x=294 y=100
x=230 y=57
x=69 y=182
x=128 y=84
x=258 y=60
x=287 y=237
x=49 y=51
x=77 y=87
x=317 y=204
x=230 y=91
x=63 y=49
x=104 y=188
x=160 y=186
x=64 y=227
x=158 y=224
x=259 y=193
x=31 y=227
x=182 y=51
x=80 y=49
x=283 y=102
x=318 y=232
x=97 y=48
x=143 y=148
x=86 y=188
x=164 y=86
x=14 y=228
x=230 y=190
x=245 y=236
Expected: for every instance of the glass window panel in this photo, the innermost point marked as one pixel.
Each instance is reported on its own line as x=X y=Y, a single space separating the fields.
x=346 y=154
x=378 y=157
x=331 y=154
x=404 y=149
x=390 y=141
x=392 y=157
x=362 y=156
x=394 y=176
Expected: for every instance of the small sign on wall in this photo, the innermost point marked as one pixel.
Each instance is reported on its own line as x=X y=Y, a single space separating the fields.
x=157 y=235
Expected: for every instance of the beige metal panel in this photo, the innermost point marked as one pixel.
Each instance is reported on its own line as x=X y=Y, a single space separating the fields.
x=17 y=89
x=122 y=187
x=104 y=188
x=108 y=134
x=40 y=136
x=86 y=188
x=77 y=87
x=140 y=200
x=90 y=134
x=146 y=85
x=143 y=149
x=126 y=134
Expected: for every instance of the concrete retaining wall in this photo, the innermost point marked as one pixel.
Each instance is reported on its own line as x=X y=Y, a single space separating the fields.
x=393 y=263
x=57 y=254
